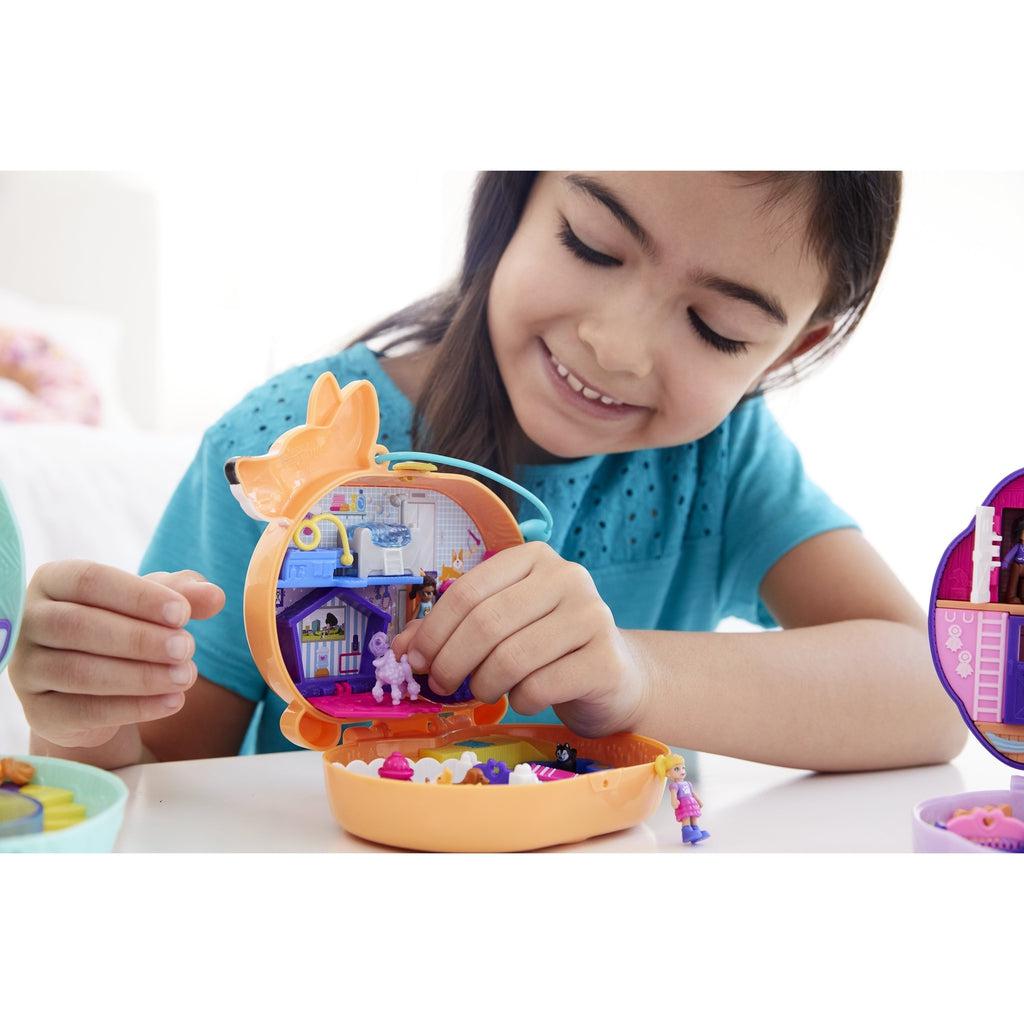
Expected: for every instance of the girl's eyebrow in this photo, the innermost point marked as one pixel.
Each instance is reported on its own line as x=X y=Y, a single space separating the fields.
x=595 y=189
x=603 y=194
x=734 y=290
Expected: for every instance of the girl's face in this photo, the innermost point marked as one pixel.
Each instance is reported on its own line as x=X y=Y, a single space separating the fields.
x=634 y=310
x=678 y=772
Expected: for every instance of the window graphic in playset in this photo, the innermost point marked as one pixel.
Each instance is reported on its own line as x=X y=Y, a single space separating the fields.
x=358 y=542
x=977 y=622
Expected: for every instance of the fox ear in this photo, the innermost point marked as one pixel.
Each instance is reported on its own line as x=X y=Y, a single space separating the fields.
x=324 y=401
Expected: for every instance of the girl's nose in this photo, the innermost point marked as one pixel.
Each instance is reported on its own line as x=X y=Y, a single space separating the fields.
x=620 y=350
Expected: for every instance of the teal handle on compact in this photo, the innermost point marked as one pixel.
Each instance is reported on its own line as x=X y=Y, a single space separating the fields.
x=531 y=529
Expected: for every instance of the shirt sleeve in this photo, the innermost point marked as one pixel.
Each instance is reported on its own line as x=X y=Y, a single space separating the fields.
x=771 y=506
x=204 y=528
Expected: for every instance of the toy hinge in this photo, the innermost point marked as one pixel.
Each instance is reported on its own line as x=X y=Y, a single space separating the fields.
x=408 y=728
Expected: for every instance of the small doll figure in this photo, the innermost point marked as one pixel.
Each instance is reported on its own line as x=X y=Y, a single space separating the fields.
x=1014 y=561
x=685 y=802
x=422 y=597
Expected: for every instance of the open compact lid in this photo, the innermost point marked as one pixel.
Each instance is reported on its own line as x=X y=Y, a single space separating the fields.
x=976 y=623
x=12 y=579
x=359 y=542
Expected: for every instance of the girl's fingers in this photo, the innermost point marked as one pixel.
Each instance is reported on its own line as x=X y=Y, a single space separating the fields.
x=528 y=651
x=494 y=632
x=205 y=599
x=568 y=679
x=400 y=645
x=103 y=586
x=89 y=712
x=74 y=672
x=499 y=572
x=74 y=627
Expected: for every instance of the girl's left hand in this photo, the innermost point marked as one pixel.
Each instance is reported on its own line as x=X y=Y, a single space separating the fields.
x=528 y=623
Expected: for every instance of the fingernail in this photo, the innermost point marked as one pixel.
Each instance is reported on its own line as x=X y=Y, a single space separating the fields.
x=178 y=647
x=172 y=700
x=175 y=613
x=418 y=662
x=181 y=674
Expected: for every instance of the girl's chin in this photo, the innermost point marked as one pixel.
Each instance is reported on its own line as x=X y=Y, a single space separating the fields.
x=563 y=443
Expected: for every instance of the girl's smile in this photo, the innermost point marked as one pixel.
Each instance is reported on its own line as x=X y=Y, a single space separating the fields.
x=580 y=393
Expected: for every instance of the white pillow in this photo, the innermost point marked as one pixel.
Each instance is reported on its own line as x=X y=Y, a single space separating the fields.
x=92 y=339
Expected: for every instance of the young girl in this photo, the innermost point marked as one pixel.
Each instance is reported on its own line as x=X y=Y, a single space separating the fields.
x=605 y=344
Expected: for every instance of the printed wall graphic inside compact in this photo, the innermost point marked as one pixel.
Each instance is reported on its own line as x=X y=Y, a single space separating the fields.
x=359 y=541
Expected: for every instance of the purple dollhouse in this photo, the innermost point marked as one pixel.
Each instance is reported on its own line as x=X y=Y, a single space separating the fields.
x=978 y=621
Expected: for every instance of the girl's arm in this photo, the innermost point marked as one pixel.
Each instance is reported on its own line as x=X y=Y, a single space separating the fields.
x=847 y=685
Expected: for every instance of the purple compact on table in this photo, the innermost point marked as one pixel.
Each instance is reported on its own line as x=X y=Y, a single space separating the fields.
x=976 y=630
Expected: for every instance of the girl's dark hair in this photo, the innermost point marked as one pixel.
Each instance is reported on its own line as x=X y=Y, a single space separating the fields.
x=851 y=218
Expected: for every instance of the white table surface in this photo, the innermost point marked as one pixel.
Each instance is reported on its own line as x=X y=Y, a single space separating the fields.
x=276 y=803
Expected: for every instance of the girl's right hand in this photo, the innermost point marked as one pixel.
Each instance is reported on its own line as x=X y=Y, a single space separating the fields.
x=101 y=649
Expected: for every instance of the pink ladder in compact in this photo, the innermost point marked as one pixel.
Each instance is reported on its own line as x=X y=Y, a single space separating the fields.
x=990 y=666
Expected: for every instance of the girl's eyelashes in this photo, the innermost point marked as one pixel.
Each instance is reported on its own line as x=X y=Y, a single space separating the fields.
x=715 y=340
x=581 y=251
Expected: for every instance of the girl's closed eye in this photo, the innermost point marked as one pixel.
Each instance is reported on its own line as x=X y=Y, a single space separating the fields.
x=716 y=340
x=582 y=251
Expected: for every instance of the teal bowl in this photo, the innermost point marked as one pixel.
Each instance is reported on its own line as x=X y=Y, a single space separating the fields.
x=103 y=796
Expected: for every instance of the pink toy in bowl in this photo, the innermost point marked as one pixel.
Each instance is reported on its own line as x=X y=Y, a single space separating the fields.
x=931 y=832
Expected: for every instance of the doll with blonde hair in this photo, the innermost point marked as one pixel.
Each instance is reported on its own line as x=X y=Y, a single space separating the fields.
x=685 y=802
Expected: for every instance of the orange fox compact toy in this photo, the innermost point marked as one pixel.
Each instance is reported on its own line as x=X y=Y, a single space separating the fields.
x=358 y=539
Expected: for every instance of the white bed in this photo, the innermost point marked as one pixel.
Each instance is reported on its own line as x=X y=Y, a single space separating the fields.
x=81 y=269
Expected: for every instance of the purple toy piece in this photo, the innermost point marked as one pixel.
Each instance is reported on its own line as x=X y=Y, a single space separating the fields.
x=460 y=696
x=496 y=772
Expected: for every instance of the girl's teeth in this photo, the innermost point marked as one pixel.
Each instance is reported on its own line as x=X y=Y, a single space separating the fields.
x=577 y=385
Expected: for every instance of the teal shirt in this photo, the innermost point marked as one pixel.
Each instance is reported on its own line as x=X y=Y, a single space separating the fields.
x=674 y=538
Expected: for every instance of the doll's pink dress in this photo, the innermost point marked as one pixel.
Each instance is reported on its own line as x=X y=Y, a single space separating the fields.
x=688 y=806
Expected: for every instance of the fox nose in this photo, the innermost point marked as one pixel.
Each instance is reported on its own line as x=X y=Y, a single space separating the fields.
x=229 y=472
